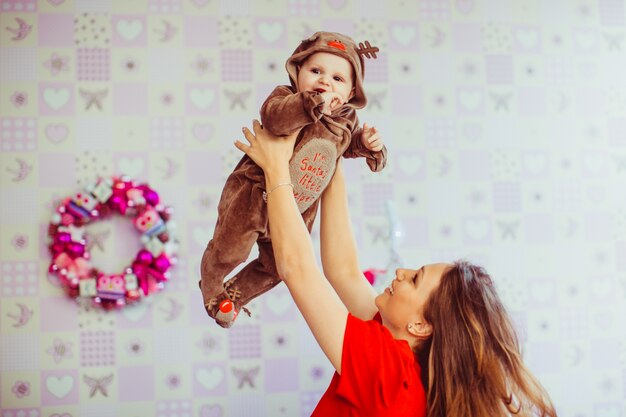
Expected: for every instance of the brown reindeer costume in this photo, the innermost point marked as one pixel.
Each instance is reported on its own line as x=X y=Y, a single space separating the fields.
x=242 y=213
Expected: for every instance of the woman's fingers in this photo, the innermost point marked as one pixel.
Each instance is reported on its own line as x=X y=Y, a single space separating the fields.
x=256 y=126
x=250 y=137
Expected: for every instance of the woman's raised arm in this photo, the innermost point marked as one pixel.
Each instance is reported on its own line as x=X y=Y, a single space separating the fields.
x=293 y=248
x=339 y=253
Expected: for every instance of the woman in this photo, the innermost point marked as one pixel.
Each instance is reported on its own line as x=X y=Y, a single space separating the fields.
x=444 y=321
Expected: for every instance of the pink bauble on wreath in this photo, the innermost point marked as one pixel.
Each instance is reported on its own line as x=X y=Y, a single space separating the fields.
x=148 y=271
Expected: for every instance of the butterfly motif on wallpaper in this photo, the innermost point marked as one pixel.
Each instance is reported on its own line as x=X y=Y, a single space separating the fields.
x=237 y=98
x=93 y=98
x=98 y=384
x=246 y=376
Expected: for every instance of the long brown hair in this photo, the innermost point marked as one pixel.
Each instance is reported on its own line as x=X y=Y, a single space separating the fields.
x=474 y=363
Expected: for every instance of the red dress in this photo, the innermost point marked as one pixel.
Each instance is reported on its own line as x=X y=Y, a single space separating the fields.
x=379 y=376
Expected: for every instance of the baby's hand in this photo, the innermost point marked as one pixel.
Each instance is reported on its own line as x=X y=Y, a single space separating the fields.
x=371 y=138
x=332 y=101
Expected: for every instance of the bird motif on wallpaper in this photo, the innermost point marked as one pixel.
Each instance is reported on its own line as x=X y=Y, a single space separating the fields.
x=170 y=169
x=167 y=32
x=173 y=311
x=23 y=317
x=22 y=171
x=437 y=37
x=22 y=30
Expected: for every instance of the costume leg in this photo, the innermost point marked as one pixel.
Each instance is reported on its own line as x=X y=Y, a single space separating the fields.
x=241 y=218
x=260 y=275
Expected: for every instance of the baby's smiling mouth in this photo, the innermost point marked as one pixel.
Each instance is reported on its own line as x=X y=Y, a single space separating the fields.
x=320 y=90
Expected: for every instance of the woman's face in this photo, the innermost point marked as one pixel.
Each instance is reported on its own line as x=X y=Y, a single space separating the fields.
x=402 y=303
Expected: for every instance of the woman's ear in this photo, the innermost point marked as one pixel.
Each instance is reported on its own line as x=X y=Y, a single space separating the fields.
x=420 y=328
x=352 y=92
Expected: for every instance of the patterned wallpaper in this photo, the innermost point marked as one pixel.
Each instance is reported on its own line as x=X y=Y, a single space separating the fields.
x=505 y=123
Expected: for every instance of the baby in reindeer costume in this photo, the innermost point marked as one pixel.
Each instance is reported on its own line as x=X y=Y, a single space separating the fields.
x=326 y=74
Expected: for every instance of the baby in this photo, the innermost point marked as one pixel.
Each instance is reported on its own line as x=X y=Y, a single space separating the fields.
x=326 y=74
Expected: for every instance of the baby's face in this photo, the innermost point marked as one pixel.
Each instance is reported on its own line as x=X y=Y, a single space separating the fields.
x=324 y=72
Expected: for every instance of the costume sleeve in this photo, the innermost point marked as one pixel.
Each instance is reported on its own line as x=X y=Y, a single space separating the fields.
x=285 y=111
x=375 y=160
x=373 y=372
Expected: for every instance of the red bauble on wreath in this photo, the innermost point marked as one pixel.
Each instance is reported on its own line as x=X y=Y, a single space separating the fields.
x=68 y=246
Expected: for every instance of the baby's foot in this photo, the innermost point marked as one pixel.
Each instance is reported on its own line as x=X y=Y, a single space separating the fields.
x=226 y=313
x=222 y=309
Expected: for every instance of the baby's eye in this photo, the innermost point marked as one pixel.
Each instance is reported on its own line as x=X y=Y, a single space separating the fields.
x=339 y=79
x=315 y=70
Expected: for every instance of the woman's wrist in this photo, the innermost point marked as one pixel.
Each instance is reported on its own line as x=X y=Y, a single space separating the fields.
x=277 y=176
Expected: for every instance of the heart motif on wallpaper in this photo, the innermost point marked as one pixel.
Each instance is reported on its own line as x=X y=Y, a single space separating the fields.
x=136 y=312
x=337 y=4
x=472 y=132
x=210 y=379
x=601 y=287
x=410 y=164
x=477 y=229
x=535 y=163
x=403 y=34
x=470 y=100
x=211 y=411
x=60 y=386
x=271 y=32
x=278 y=303
x=541 y=291
x=56 y=98
x=132 y=167
x=203 y=132
x=528 y=38
x=202 y=98
x=465 y=6
x=56 y=133
x=129 y=29
x=201 y=235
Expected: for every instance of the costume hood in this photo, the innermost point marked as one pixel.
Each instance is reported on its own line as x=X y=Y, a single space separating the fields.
x=338 y=44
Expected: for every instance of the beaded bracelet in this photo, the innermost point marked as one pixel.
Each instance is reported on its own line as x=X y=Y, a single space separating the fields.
x=265 y=194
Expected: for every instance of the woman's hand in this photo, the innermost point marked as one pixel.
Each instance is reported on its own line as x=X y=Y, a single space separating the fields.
x=270 y=152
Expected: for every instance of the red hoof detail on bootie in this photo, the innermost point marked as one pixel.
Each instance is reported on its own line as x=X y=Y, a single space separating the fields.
x=226 y=313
